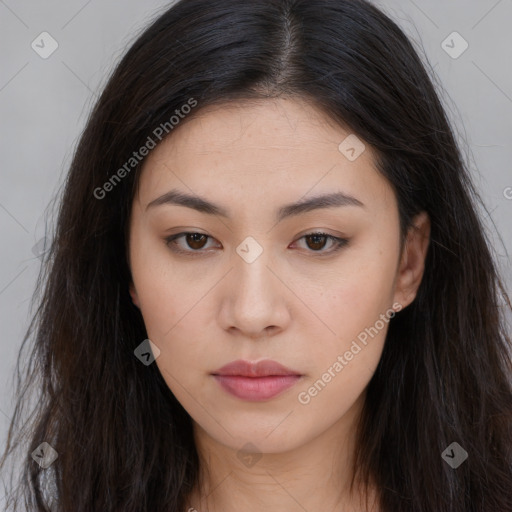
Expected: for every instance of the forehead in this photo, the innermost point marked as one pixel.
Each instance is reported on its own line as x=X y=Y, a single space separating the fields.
x=259 y=125
x=264 y=149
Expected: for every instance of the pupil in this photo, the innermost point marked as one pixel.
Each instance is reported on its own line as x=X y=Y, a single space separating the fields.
x=315 y=242
x=194 y=238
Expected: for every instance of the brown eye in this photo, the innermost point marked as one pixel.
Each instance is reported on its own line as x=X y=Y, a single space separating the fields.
x=196 y=240
x=194 y=243
x=316 y=241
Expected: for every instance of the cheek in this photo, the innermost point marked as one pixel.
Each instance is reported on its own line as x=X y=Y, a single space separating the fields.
x=174 y=303
x=163 y=289
x=358 y=310
x=358 y=294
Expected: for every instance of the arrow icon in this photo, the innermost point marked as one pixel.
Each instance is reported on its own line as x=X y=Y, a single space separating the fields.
x=249 y=455
x=454 y=455
x=44 y=45
x=249 y=249
x=44 y=455
x=147 y=352
x=351 y=147
x=454 y=45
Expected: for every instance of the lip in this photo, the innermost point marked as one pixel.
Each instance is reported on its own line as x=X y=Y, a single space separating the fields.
x=264 y=368
x=255 y=381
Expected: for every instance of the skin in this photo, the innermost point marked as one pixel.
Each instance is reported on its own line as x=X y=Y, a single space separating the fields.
x=291 y=304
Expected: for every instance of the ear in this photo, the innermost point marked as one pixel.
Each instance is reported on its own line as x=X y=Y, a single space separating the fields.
x=412 y=261
x=134 y=296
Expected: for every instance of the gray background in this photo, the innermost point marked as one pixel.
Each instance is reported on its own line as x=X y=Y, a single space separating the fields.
x=44 y=104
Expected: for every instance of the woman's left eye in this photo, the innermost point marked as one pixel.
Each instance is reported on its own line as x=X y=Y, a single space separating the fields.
x=316 y=242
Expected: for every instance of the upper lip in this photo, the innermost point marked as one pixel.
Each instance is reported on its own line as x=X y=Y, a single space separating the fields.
x=254 y=369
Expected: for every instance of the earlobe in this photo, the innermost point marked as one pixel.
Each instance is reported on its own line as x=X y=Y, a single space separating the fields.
x=134 y=296
x=412 y=264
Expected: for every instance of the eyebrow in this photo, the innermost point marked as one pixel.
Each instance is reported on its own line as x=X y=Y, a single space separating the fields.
x=179 y=198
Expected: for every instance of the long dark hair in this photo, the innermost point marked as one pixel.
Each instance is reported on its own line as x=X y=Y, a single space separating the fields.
x=124 y=442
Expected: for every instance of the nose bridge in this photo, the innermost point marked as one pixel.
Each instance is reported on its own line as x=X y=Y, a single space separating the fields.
x=254 y=293
x=252 y=277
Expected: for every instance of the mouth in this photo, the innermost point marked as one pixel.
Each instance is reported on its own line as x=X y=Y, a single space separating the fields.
x=255 y=382
x=264 y=368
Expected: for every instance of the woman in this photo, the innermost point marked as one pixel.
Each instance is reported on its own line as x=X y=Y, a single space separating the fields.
x=269 y=288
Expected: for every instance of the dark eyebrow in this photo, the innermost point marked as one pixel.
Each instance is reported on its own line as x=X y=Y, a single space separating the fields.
x=200 y=204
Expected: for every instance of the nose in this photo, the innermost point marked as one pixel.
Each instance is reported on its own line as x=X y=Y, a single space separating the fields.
x=254 y=299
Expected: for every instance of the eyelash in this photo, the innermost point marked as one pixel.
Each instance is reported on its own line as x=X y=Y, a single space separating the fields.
x=339 y=243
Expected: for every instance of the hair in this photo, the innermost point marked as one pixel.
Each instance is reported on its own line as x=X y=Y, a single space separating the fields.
x=124 y=442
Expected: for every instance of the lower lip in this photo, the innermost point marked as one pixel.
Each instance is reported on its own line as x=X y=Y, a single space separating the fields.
x=256 y=389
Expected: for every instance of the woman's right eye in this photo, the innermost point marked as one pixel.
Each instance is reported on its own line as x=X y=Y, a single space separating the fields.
x=195 y=241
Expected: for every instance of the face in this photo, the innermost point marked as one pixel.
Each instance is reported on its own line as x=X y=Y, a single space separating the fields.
x=251 y=277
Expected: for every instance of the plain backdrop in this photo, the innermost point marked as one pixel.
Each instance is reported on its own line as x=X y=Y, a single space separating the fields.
x=44 y=103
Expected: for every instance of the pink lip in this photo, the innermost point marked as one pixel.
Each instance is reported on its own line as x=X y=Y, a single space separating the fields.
x=256 y=389
x=255 y=381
